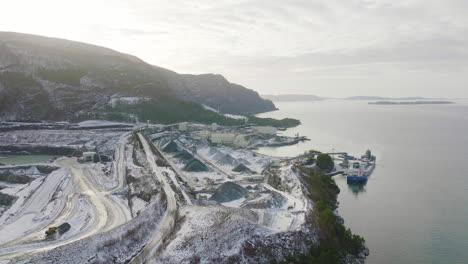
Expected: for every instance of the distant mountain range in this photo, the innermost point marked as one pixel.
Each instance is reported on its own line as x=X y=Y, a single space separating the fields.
x=410 y=102
x=292 y=97
x=309 y=97
x=45 y=78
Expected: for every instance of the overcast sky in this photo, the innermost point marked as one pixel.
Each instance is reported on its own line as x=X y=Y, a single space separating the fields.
x=322 y=47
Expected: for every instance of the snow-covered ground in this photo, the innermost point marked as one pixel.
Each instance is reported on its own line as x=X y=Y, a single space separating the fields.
x=86 y=207
x=279 y=210
x=78 y=194
x=104 y=141
x=118 y=245
x=148 y=205
x=129 y=100
x=37 y=204
x=211 y=234
x=101 y=123
x=239 y=117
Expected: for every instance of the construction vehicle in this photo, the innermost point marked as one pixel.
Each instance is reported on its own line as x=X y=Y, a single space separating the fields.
x=51 y=231
x=60 y=229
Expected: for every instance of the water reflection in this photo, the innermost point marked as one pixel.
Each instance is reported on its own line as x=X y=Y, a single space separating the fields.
x=357 y=187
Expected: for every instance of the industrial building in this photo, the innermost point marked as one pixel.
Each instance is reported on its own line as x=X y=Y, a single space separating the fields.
x=222 y=138
x=240 y=140
x=214 y=127
x=183 y=126
x=88 y=156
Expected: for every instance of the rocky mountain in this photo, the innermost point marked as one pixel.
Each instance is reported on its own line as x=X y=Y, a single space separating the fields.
x=55 y=79
x=216 y=92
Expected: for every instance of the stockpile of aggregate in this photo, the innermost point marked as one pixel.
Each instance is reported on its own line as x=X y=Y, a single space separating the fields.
x=227 y=160
x=242 y=168
x=171 y=147
x=227 y=192
x=194 y=165
x=184 y=156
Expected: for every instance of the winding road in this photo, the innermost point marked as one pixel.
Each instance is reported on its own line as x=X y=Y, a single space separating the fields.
x=108 y=213
x=168 y=222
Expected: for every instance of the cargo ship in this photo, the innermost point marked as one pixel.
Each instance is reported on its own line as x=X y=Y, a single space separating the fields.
x=362 y=169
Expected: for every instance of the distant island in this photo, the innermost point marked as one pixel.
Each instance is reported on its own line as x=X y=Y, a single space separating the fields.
x=292 y=97
x=411 y=103
x=310 y=97
x=372 y=98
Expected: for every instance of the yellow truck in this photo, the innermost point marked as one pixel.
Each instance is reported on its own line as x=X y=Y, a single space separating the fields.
x=51 y=231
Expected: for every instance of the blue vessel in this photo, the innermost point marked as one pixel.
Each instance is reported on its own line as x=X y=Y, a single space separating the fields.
x=360 y=171
x=362 y=168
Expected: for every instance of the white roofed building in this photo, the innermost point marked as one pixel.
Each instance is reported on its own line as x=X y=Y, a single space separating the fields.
x=183 y=126
x=240 y=140
x=88 y=156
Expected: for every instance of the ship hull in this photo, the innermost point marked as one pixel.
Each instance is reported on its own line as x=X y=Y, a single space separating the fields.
x=357 y=178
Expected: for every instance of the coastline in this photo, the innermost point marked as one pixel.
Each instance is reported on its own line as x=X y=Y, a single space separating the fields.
x=318 y=226
x=399 y=136
x=332 y=204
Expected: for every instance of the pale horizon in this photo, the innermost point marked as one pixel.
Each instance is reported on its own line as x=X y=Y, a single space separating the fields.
x=366 y=95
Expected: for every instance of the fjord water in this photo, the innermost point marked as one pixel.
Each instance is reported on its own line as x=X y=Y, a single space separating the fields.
x=414 y=207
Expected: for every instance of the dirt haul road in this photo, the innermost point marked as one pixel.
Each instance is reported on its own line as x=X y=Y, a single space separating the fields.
x=167 y=223
x=120 y=165
x=108 y=213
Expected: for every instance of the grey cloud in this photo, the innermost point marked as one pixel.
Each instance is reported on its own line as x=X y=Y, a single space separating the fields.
x=335 y=46
x=139 y=32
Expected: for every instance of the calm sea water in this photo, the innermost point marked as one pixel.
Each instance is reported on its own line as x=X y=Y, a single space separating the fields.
x=414 y=207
